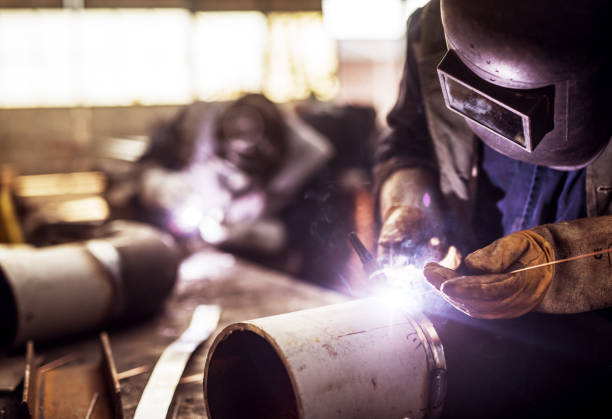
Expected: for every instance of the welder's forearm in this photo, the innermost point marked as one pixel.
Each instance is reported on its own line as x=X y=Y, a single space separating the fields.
x=406 y=143
x=584 y=284
x=413 y=187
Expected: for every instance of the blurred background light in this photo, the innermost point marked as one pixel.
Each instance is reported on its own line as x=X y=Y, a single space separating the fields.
x=36 y=58
x=368 y=19
x=302 y=58
x=130 y=57
x=229 y=51
x=90 y=209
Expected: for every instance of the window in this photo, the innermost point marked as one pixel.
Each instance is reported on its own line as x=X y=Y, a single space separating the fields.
x=123 y=57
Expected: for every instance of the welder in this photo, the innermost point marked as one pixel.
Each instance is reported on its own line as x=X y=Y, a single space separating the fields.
x=273 y=183
x=499 y=144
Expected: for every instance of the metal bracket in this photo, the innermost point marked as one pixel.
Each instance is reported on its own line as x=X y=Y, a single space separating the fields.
x=436 y=362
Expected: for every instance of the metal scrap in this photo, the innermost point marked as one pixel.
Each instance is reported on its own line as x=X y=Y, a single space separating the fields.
x=87 y=390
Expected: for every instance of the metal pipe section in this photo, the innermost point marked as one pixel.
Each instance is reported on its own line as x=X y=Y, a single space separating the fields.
x=46 y=293
x=358 y=359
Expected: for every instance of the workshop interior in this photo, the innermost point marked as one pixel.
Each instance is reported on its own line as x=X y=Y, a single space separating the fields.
x=305 y=209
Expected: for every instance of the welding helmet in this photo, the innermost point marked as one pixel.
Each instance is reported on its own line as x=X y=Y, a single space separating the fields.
x=252 y=136
x=531 y=78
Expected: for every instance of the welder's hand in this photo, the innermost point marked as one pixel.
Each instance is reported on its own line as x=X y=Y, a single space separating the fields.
x=490 y=291
x=410 y=230
x=410 y=207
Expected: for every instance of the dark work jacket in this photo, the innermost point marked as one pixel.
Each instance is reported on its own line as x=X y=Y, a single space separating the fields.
x=424 y=133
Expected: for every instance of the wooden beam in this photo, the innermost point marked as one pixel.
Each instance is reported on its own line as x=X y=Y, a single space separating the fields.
x=195 y=5
x=27 y=4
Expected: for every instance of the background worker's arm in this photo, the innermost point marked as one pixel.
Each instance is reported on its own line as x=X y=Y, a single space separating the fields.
x=490 y=291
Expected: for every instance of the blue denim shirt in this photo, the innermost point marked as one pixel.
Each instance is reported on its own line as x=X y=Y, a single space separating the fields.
x=530 y=195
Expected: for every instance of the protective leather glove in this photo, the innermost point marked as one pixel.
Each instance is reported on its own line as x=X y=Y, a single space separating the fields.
x=412 y=224
x=491 y=291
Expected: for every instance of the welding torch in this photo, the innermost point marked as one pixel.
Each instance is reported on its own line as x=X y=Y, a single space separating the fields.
x=370 y=265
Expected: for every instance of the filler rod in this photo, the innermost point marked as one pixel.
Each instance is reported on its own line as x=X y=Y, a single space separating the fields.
x=554 y=262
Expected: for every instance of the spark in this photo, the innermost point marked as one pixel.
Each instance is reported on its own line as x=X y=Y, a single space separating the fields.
x=405 y=287
x=212 y=231
x=426 y=200
x=187 y=218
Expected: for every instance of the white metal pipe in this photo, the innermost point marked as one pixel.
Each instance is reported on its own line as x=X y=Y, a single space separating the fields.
x=356 y=360
x=59 y=288
x=45 y=293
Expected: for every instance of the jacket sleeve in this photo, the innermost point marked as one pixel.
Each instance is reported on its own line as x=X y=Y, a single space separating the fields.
x=583 y=284
x=406 y=143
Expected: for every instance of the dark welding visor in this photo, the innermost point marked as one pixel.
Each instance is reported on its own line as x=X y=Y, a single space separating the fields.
x=520 y=116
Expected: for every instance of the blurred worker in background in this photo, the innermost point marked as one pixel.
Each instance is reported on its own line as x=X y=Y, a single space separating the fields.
x=276 y=184
x=502 y=129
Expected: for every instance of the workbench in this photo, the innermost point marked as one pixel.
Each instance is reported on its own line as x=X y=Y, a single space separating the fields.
x=242 y=290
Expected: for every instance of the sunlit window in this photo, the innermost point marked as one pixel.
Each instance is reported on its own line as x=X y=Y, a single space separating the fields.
x=132 y=56
x=229 y=52
x=122 y=57
x=368 y=19
x=302 y=58
x=37 y=66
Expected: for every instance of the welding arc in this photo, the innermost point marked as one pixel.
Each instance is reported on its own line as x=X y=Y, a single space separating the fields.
x=554 y=262
x=360 y=249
